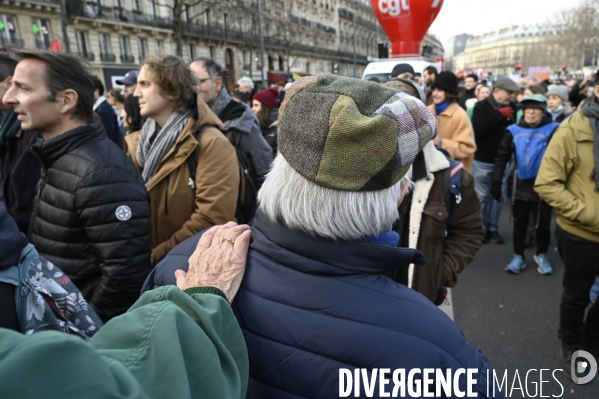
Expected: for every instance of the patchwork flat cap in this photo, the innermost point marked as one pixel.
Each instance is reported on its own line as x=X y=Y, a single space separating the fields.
x=350 y=134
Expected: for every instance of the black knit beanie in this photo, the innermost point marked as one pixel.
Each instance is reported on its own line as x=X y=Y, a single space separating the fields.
x=447 y=82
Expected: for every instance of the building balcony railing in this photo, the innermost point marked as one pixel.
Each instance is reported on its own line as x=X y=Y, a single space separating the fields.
x=109 y=57
x=10 y=42
x=86 y=55
x=94 y=10
x=41 y=44
x=127 y=59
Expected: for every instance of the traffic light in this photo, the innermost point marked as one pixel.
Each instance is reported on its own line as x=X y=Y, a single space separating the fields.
x=517 y=67
x=336 y=69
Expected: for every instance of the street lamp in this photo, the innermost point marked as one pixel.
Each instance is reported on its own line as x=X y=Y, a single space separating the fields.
x=261 y=45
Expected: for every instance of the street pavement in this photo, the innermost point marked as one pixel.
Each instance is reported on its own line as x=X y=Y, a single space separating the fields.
x=514 y=319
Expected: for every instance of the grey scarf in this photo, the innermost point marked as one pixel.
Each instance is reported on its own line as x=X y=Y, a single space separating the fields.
x=591 y=110
x=154 y=143
x=222 y=100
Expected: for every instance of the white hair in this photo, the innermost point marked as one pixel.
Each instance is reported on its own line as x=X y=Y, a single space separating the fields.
x=247 y=82
x=288 y=197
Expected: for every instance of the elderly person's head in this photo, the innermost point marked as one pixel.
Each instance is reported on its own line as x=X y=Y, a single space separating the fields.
x=342 y=165
x=246 y=85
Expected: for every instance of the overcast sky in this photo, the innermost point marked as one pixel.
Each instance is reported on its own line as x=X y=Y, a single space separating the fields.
x=481 y=16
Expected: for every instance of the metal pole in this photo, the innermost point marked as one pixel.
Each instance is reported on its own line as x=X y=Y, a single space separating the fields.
x=355 y=9
x=261 y=45
x=63 y=21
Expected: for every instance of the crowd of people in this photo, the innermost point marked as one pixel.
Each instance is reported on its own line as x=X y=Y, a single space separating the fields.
x=354 y=219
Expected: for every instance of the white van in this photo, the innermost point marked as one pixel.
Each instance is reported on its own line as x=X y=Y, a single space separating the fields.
x=381 y=68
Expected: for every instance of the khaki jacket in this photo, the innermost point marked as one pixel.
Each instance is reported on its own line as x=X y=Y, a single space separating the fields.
x=564 y=178
x=457 y=134
x=178 y=211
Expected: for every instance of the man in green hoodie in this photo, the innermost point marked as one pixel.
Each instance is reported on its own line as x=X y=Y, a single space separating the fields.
x=568 y=180
x=174 y=342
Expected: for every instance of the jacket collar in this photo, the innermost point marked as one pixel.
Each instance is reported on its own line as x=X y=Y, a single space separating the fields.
x=547 y=119
x=244 y=123
x=581 y=125
x=51 y=150
x=186 y=142
x=448 y=112
x=322 y=256
x=435 y=160
x=99 y=101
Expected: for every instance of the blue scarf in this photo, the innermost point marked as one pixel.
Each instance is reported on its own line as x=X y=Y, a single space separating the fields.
x=440 y=108
x=388 y=238
x=556 y=112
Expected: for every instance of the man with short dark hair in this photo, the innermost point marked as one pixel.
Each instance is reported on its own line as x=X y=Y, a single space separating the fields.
x=91 y=216
x=429 y=75
x=470 y=86
x=241 y=125
x=106 y=113
x=7 y=68
x=19 y=167
x=490 y=118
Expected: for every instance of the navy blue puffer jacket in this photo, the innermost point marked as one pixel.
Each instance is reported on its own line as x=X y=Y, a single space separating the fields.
x=308 y=307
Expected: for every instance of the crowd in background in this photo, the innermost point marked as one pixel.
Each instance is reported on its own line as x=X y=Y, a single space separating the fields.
x=116 y=193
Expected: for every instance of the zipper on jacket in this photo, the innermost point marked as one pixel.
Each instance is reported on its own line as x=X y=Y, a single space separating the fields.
x=166 y=196
x=40 y=189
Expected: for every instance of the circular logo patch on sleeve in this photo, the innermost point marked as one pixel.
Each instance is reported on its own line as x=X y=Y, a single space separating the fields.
x=123 y=213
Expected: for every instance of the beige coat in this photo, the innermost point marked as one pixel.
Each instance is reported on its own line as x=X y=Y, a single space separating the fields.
x=177 y=210
x=457 y=134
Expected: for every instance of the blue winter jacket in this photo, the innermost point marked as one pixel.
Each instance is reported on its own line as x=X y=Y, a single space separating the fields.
x=309 y=306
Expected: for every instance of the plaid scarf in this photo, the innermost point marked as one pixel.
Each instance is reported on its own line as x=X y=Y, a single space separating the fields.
x=155 y=143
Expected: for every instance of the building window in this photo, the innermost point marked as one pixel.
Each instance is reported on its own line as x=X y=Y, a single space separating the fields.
x=207 y=17
x=41 y=30
x=212 y=52
x=159 y=47
x=244 y=58
x=192 y=51
x=106 y=53
x=105 y=50
x=82 y=43
x=125 y=49
x=9 y=33
x=229 y=59
x=142 y=44
x=137 y=6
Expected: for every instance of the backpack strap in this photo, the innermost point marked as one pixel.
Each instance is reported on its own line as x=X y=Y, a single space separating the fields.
x=452 y=187
x=193 y=159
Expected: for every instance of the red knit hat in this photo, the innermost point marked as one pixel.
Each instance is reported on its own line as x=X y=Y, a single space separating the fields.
x=268 y=97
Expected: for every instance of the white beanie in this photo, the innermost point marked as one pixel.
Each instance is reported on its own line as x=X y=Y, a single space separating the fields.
x=558 y=90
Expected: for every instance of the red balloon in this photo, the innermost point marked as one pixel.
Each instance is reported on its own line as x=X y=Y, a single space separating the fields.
x=406 y=22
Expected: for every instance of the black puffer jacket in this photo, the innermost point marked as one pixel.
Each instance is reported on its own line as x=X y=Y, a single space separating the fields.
x=92 y=217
